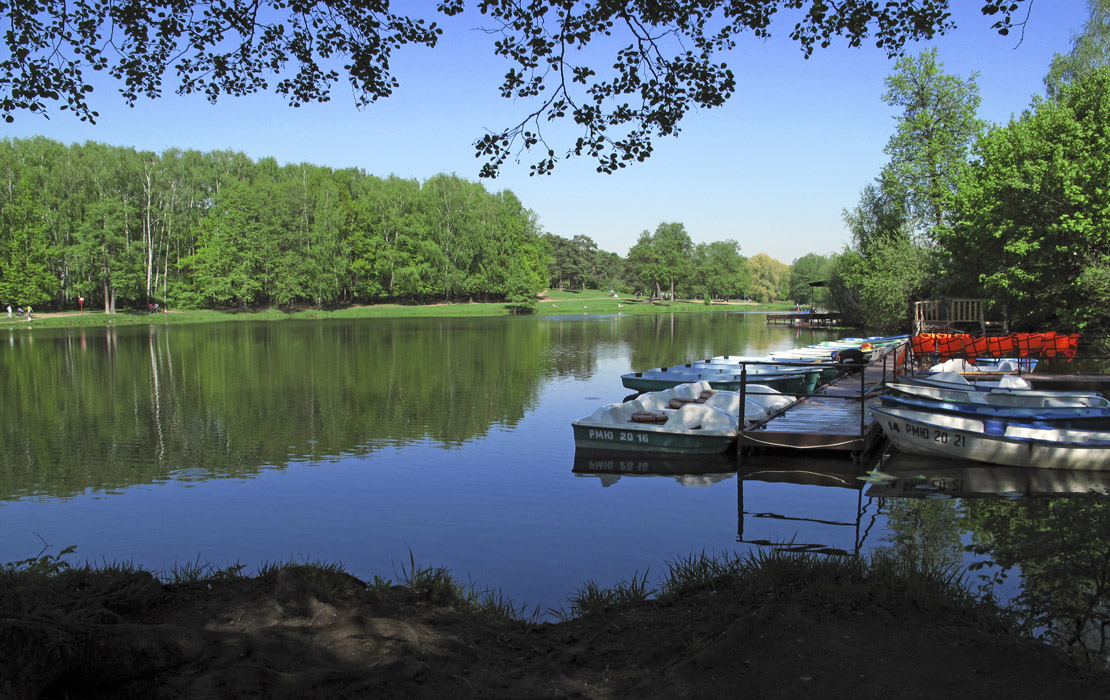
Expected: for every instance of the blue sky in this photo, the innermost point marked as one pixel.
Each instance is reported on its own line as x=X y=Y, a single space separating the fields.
x=773 y=169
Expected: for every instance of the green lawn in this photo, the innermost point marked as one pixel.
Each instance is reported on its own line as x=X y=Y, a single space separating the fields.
x=555 y=302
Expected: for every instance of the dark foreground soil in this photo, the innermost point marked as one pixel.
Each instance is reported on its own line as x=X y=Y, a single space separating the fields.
x=281 y=637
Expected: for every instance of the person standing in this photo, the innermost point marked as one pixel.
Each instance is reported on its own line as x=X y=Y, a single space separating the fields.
x=9 y=310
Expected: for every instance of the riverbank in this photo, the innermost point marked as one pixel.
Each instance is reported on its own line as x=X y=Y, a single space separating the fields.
x=551 y=303
x=775 y=627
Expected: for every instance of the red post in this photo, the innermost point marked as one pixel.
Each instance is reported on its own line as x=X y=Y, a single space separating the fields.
x=81 y=301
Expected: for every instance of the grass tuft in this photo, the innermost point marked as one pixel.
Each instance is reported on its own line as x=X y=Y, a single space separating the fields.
x=591 y=599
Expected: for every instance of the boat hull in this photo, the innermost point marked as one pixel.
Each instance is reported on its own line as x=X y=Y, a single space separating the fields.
x=1001 y=397
x=630 y=439
x=1079 y=417
x=918 y=432
x=790 y=383
x=689 y=419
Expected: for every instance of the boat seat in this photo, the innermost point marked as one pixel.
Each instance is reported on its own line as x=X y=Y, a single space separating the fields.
x=696 y=416
x=996 y=428
x=1012 y=382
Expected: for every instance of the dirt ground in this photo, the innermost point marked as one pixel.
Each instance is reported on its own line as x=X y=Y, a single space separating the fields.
x=280 y=637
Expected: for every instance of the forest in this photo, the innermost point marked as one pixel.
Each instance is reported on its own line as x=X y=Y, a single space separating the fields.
x=185 y=229
x=125 y=229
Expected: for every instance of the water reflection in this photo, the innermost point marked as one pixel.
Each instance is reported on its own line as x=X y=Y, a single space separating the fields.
x=789 y=518
x=1038 y=540
x=108 y=408
x=693 y=470
x=1059 y=548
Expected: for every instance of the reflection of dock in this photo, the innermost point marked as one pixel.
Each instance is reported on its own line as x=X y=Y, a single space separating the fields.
x=833 y=418
x=812 y=532
x=782 y=520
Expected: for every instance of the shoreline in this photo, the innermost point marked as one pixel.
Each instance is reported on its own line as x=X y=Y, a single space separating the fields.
x=565 y=303
x=775 y=625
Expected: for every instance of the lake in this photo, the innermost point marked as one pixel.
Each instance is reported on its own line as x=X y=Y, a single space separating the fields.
x=368 y=442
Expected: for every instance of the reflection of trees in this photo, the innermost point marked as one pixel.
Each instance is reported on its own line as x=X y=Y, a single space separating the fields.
x=107 y=408
x=657 y=340
x=1062 y=548
x=925 y=533
x=669 y=339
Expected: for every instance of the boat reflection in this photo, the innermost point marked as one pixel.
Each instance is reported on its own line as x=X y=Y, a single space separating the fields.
x=931 y=477
x=688 y=470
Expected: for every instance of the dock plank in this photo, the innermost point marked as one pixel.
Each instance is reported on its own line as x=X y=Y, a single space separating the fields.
x=833 y=418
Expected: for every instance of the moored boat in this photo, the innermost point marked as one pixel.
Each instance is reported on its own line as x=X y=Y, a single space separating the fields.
x=993 y=441
x=720 y=379
x=830 y=369
x=1004 y=364
x=690 y=418
x=1084 y=417
x=1001 y=397
x=985 y=381
x=812 y=374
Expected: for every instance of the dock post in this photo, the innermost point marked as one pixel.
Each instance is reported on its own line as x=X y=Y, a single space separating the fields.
x=862 y=396
x=743 y=405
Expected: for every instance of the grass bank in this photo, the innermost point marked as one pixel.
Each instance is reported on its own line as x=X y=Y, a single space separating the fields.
x=552 y=303
x=778 y=626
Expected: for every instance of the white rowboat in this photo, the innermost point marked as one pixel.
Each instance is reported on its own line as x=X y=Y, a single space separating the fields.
x=993 y=441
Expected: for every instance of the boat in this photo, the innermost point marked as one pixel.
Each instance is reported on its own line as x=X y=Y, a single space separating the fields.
x=963 y=381
x=1030 y=398
x=879 y=340
x=812 y=374
x=690 y=418
x=993 y=441
x=996 y=364
x=830 y=369
x=723 y=379
x=1084 y=417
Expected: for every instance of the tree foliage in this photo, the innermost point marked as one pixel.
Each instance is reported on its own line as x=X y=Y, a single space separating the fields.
x=1090 y=49
x=935 y=131
x=1034 y=224
x=804 y=272
x=721 y=271
x=202 y=229
x=892 y=261
x=667 y=60
x=663 y=257
x=876 y=291
x=578 y=262
x=770 y=278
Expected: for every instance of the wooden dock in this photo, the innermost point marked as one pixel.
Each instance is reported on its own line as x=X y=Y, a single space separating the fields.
x=832 y=419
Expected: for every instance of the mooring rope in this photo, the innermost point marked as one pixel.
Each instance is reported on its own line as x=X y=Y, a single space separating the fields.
x=747 y=436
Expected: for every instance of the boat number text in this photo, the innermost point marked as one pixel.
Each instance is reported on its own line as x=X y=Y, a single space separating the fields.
x=926 y=433
x=619 y=436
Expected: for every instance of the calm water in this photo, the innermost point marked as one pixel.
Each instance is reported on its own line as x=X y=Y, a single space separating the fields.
x=364 y=441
